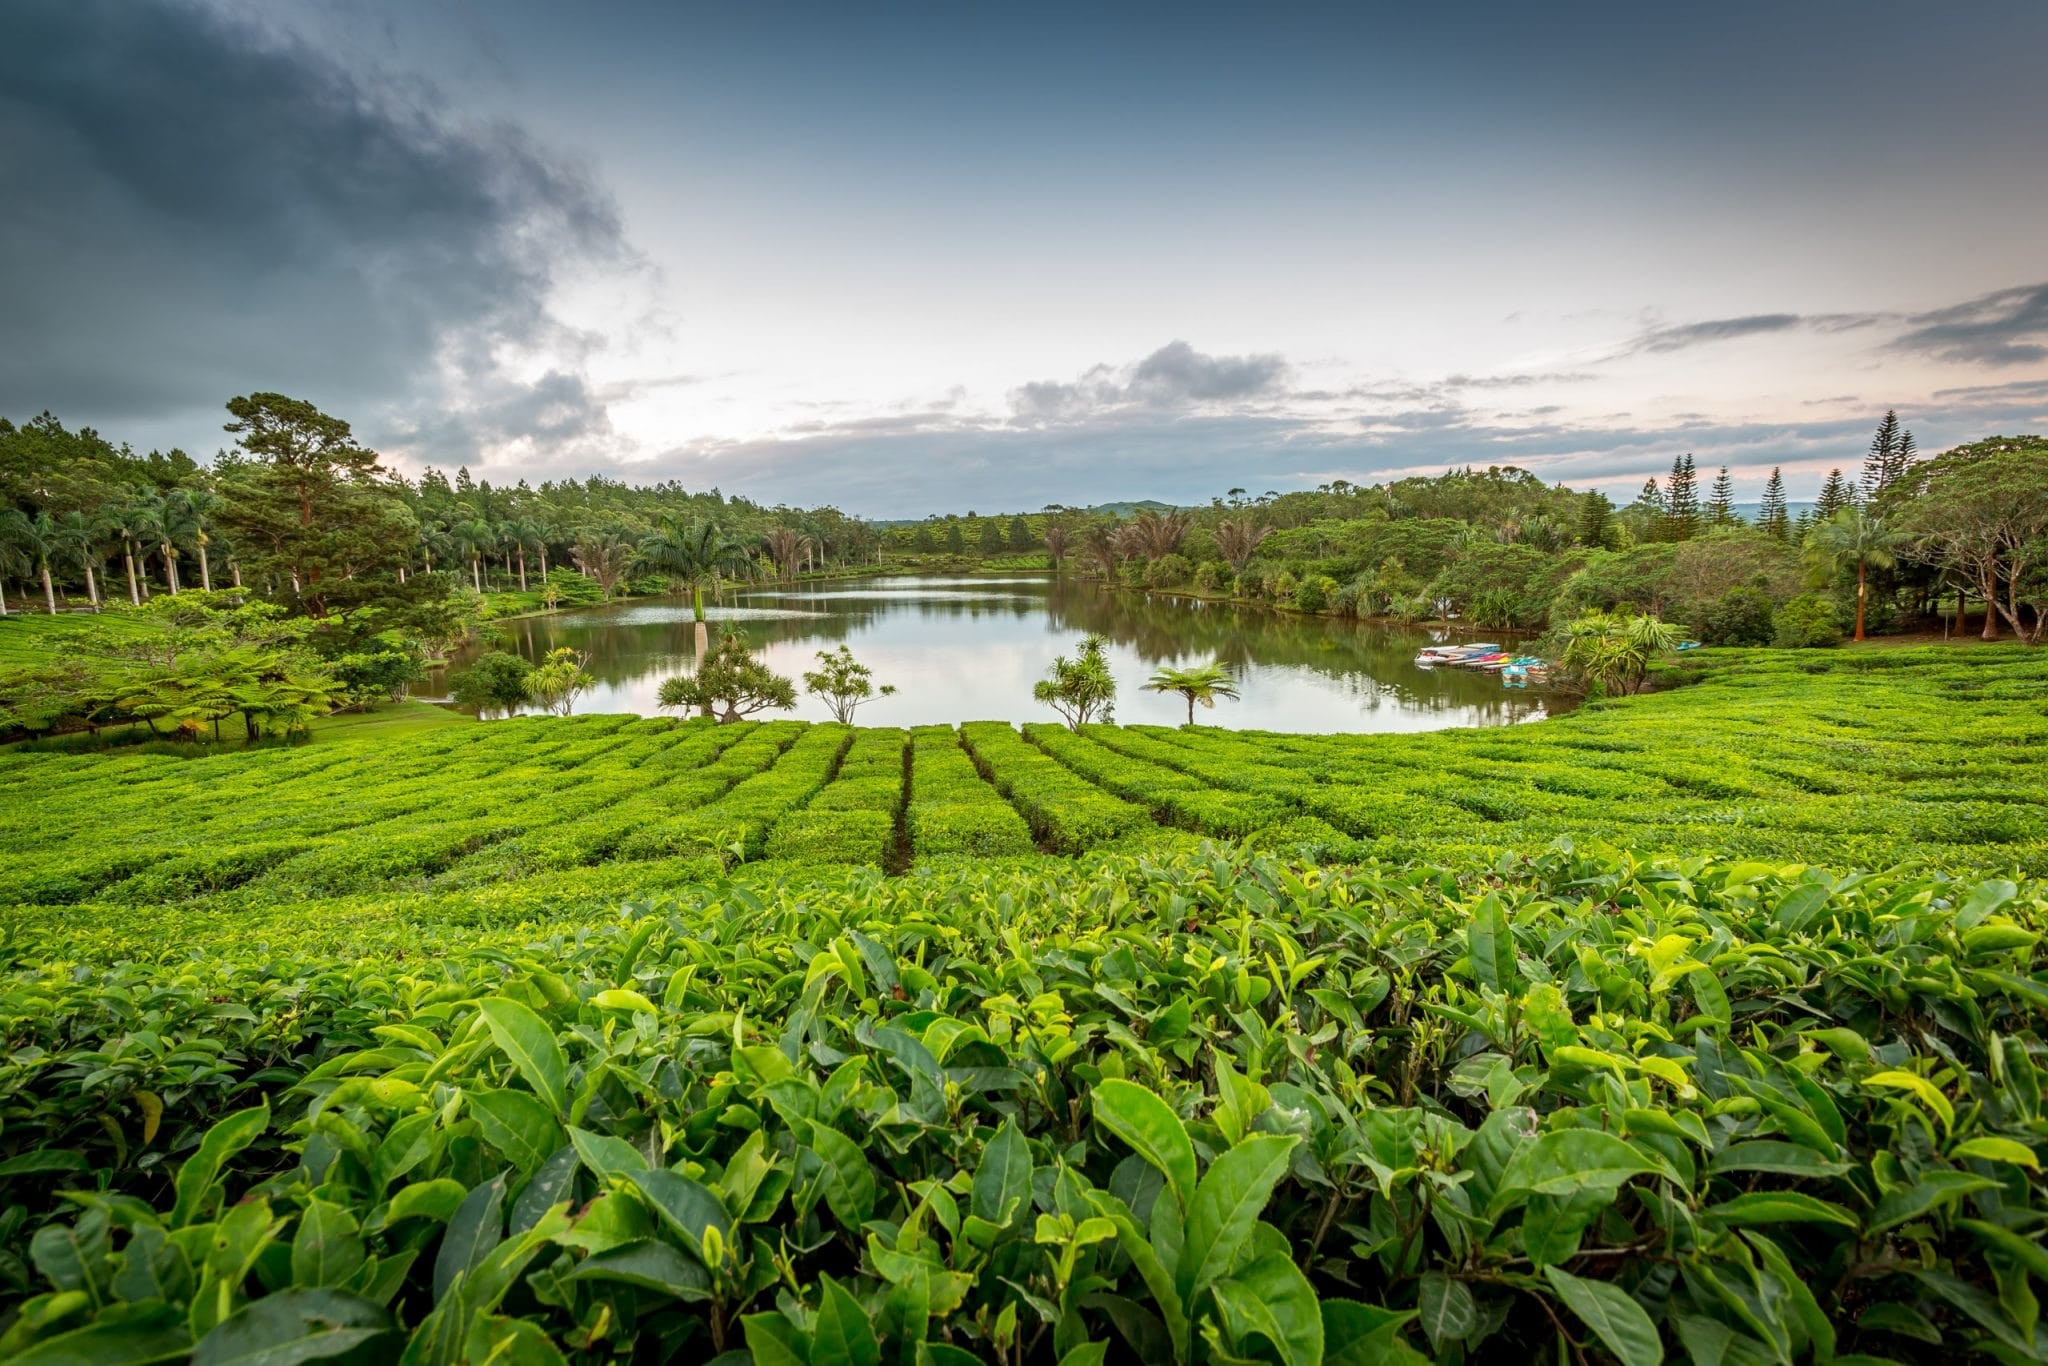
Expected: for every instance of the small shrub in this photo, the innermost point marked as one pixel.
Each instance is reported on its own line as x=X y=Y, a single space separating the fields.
x=1743 y=616
x=1314 y=592
x=1807 y=622
x=1212 y=576
x=1168 y=571
x=496 y=679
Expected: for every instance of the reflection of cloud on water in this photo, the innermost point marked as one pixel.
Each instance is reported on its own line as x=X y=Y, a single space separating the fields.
x=652 y=615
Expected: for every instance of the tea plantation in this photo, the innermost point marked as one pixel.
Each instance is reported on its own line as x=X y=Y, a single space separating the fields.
x=633 y=1039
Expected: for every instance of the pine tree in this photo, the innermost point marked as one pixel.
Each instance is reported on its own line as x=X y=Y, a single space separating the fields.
x=1881 y=465
x=1721 y=503
x=1682 y=500
x=1594 y=513
x=1772 y=517
x=1651 y=499
x=1835 y=494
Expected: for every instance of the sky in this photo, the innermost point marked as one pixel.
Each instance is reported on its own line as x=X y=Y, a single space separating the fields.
x=919 y=258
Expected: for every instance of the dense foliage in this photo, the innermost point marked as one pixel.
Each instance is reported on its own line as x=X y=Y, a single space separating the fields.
x=1201 y=1106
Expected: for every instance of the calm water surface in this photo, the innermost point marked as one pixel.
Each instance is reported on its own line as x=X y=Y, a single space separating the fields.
x=969 y=649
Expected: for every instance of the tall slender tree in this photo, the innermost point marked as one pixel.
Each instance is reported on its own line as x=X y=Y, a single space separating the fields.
x=1836 y=493
x=1853 y=537
x=1890 y=456
x=1721 y=502
x=1682 y=500
x=1774 y=517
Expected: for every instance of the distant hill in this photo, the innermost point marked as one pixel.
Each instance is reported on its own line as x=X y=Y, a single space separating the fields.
x=1130 y=509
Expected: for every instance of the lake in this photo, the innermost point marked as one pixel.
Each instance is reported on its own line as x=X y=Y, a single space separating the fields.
x=969 y=649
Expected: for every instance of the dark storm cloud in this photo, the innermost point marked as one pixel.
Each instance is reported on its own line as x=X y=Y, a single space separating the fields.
x=2005 y=327
x=195 y=209
x=1176 y=376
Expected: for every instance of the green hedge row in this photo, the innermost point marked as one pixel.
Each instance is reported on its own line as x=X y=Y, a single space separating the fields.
x=853 y=819
x=953 y=811
x=1066 y=811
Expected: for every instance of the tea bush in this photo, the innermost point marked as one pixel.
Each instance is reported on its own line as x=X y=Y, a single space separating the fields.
x=1205 y=1106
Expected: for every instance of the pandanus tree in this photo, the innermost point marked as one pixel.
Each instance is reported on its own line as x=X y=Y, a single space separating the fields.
x=1237 y=538
x=605 y=556
x=691 y=555
x=729 y=682
x=1158 y=534
x=1853 y=537
x=786 y=546
x=1202 y=683
x=1080 y=689
x=1057 y=542
x=1612 y=652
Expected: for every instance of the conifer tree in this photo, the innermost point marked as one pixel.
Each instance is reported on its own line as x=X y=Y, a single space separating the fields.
x=1881 y=465
x=1682 y=500
x=1594 y=512
x=1835 y=494
x=1721 y=503
x=1772 y=517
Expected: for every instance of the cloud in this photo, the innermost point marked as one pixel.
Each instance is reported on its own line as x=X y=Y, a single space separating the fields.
x=197 y=209
x=1175 y=377
x=1683 y=335
x=2004 y=327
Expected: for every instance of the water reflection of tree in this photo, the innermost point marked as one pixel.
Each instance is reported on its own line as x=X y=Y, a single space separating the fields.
x=1373 y=662
x=1370 y=663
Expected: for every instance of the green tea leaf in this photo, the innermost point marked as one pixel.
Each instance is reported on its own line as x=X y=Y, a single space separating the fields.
x=1613 y=1315
x=196 y=1178
x=1144 y=1121
x=1226 y=1206
x=1002 y=1182
x=292 y=1326
x=1269 y=1296
x=518 y=1125
x=526 y=1039
x=841 y=1335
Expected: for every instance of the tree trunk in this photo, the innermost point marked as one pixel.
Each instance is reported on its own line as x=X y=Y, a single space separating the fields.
x=235 y=566
x=92 y=587
x=49 y=590
x=170 y=567
x=3 y=599
x=205 y=569
x=476 y=574
x=522 y=569
x=1990 y=587
x=1860 y=572
x=1191 y=710
x=543 y=561
x=134 y=592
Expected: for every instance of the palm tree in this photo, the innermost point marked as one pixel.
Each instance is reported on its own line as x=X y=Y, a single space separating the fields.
x=86 y=537
x=144 y=520
x=1158 y=534
x=693 y=554
x=474 y=538
x=39 y=538
x=197 y=507
x=786 y=546
x=605 y=556
x=14 y=559
x=1057 y=539
x=1203 y=683
x=1854 y=536
x=181 y=527
x=522 y=534
x=1238 y=538
x=125 y=521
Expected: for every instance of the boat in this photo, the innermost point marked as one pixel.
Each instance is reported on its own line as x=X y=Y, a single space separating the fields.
x=1433 y=655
